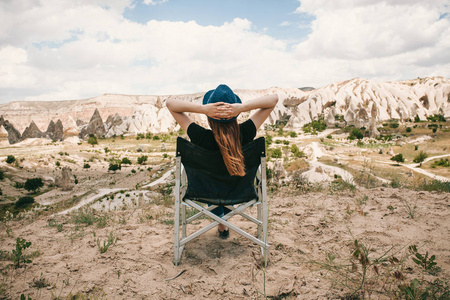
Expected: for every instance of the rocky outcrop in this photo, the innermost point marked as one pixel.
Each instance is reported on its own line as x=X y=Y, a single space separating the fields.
x=95 y=127
x=55 y=131
x=32 y=131
x=14 y=135
x=353 y=102
x=65 y=180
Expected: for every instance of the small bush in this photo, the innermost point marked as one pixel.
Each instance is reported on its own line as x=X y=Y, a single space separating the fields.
x=126 y=161
x=57 y=163
x=142 y=159
x=398 y=158
x=33 y=184
x=316 y=125
x=10 y=159
x=420 y=157
x=17 y=254
x=114 y=167
x=86 y=166
x=24 y=202
x=441 y=163
x=356 y=133
x=408 y=129
x=276 y=153
x=18 y=185
x=92 y=140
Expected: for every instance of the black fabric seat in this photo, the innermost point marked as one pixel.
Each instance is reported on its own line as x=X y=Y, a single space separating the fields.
x=208 y=179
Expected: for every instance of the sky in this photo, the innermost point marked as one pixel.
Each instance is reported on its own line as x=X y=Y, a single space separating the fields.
x=77 y=49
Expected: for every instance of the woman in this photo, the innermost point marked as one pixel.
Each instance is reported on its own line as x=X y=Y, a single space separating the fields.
x=222 y=107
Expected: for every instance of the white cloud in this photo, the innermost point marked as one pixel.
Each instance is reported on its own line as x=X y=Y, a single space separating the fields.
x=82 y=48
x=154 y=2
x=285 y=23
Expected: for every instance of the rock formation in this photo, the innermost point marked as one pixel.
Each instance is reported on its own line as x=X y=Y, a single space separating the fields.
x=32 y=131
x=55 y=131
x=353 y=102
x=65 y=181
x=14 y=135
x=95 y=127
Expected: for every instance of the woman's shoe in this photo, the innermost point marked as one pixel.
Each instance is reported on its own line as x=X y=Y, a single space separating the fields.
x=224 y=234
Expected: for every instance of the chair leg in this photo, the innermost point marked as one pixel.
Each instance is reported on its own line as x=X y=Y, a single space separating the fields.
x=176 y=245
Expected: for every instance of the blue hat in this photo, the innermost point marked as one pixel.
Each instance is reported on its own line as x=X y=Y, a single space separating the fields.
x=221 y=94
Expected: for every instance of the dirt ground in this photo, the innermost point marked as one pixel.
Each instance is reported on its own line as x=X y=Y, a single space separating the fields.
x=304 y=230
x=325 y=243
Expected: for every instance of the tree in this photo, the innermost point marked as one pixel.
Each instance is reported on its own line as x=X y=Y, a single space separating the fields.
x=356 y=133
x=92 y=140
x=420 y=157
x=126 y=161
x=10 y=159
x=142 y=159
x=398 y=158
x=24 y=201
x=33 y=184
x=114 y=167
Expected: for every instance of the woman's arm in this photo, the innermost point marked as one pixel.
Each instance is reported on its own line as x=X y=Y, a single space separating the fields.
x=264 y=104
x=179 y=108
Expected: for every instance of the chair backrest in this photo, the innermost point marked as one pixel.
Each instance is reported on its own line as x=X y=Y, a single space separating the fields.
x=208 y=177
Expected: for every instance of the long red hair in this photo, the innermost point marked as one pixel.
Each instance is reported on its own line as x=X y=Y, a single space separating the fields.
x=228 y=139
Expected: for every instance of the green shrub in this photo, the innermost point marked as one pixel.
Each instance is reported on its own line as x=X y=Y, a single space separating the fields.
x=86 y=166
x=114 y=167
x=293 y=134
x=356 y=133
x=435 y=185
x=126 y=161
x=142 y=159
x=316 y=125
x=18 y=185
x=276 y=153
x=420 y=157
x=408 y=129
x=441 y=163
x=24 y=202
x=17 y=254
x=92 y=140
x=398 y=158
x=33 y=184
x=436 y=118
x=58 y=164
x=10 y=159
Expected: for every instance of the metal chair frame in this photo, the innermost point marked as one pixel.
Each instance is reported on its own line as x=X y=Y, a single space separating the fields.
x=261 y=220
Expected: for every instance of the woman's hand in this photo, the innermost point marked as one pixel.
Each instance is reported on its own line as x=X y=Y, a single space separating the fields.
x=218 y=110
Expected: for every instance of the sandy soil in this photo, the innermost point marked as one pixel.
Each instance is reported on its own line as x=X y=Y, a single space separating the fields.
x=303 y=227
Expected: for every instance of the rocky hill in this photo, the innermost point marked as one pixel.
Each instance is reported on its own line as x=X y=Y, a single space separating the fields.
x=357 y=101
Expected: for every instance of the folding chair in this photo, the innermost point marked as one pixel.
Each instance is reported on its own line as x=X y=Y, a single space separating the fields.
x=201 y=176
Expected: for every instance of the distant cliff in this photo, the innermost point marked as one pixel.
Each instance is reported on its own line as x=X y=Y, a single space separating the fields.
x=357 y=101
